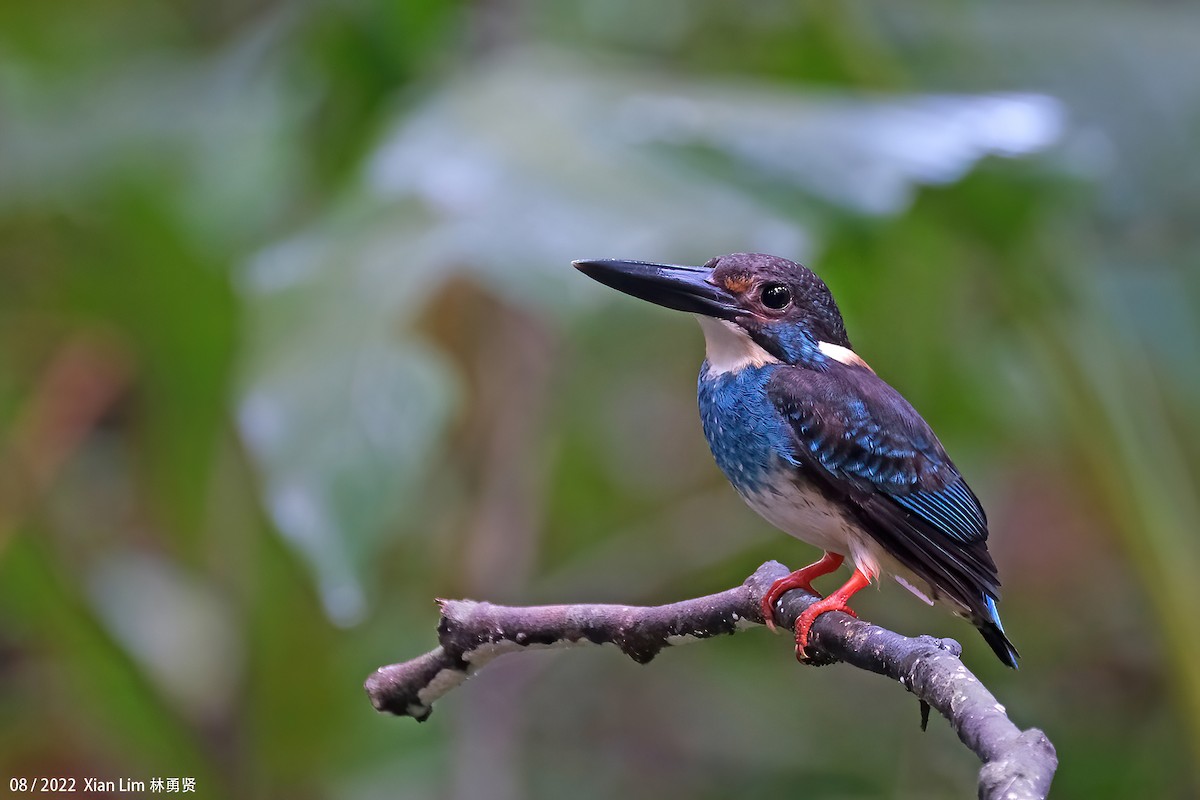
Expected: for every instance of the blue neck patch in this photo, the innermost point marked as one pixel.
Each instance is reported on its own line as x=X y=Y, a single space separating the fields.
x=749 y=439
x=794 y=342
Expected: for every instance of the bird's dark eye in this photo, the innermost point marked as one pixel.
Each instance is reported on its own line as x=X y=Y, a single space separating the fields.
x=776 y=296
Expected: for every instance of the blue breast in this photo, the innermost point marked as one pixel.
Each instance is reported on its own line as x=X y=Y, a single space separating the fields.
x=747 y=436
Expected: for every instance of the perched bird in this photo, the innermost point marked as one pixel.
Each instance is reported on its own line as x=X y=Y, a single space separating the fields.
x=818 y=444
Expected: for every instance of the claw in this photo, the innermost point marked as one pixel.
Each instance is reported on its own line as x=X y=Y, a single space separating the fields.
x=768 y=612
x=838 y=601
x=800 y=579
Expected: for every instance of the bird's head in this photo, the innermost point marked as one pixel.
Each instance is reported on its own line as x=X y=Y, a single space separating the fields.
x=755 y=309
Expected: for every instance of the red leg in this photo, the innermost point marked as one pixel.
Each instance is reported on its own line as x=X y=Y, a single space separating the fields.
x=800 y=579
x=835 y=602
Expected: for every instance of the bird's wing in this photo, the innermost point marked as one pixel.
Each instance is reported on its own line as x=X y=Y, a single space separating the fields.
x=864 y=444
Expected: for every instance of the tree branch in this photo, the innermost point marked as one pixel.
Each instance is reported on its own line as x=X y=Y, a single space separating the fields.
x=1016 y=765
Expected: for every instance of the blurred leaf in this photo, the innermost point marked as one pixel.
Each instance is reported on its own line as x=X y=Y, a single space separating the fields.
x=212 y=132
x=346 y=162
x=342 y=409
x=176 y=627
x=89 y=688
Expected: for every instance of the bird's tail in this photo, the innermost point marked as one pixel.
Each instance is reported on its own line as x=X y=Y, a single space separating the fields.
x=993 y=633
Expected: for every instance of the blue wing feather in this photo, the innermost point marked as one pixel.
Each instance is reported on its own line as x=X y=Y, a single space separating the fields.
x=866 y=447
x=861 y=440
x=954 y=510
x=869 y=437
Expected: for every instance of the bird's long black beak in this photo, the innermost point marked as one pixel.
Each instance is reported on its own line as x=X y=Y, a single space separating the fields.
x=680 y=288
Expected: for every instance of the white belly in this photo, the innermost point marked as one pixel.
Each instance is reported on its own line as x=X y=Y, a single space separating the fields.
x=803 y=512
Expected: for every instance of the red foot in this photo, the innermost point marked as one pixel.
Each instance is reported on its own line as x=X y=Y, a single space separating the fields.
x=838 y=601
x=800 y=579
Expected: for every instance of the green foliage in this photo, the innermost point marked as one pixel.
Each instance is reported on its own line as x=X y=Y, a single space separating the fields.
x=290 y=345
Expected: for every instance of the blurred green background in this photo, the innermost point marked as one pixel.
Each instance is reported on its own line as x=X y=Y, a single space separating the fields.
x=290 y=345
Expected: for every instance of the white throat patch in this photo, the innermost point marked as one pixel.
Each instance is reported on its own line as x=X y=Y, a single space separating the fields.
x=729 y=348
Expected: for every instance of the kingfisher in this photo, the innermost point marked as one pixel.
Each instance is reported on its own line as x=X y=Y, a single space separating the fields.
x=818 y=444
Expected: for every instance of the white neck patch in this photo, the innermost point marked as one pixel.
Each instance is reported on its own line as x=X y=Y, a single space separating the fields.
x=843 y=354
x=729 y=348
